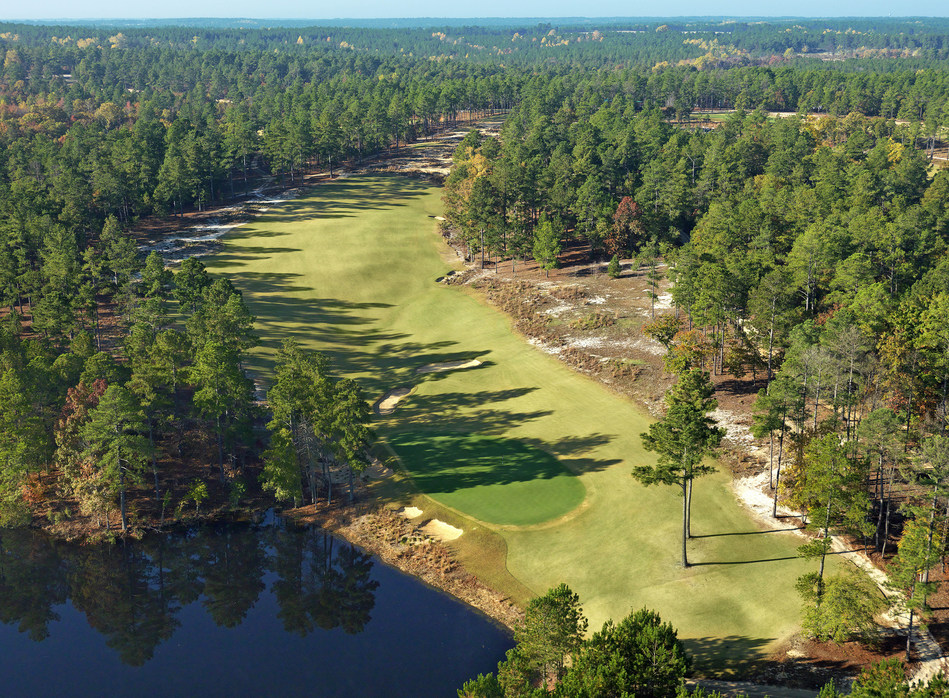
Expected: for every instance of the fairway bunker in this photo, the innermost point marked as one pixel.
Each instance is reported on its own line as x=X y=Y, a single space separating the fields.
x=495 y=480
x=388 y=402
x=448 y=366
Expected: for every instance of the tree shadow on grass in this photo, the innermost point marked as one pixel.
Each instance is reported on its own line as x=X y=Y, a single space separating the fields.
x=745 y=562
x=467 y=412
x=730 y=655
x=445 y=462
x=750 y=533
x=344 y=331
x=344 y=198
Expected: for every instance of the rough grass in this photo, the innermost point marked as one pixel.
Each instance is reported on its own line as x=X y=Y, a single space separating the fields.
x=350 y=270
x=495 y=480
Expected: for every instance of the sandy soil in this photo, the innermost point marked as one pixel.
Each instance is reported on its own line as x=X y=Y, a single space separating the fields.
x=410 y=512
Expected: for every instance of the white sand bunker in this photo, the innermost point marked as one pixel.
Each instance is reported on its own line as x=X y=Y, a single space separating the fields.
x=448 y=366
x=387 y=403
x=411 y=512
x=441 y=531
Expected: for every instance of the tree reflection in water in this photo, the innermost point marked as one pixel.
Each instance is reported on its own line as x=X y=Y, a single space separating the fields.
x=133 y=591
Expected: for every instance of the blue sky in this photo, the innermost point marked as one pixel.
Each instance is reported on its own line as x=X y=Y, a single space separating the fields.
x=322 y=9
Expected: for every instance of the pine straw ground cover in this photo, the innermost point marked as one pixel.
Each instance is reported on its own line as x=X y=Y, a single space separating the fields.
x=351 y=268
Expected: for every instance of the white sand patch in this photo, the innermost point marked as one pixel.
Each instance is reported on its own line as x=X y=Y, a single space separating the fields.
x=387 y=403
x=448 y=366
x=546 y=348
x=586 y=342
x=648 y=346
x=596 y=300
x=735 y=431
x=664 y=301
x=202 y=233
x=441 y=531
x=558 y=310
x=410 y=512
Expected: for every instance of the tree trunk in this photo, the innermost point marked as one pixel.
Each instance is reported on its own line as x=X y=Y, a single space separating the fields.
x=151 y=442
x=685 y=521
x=823 y=557
x=220 y=448
x=688 y=518
x=909 y=628
x=777 y=476
x=122 y=493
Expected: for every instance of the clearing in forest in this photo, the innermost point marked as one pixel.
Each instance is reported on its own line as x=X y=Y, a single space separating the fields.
x=350 y=269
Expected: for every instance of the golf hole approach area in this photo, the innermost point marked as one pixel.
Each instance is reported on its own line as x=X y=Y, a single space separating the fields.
x=530 y=459
x=494 y=480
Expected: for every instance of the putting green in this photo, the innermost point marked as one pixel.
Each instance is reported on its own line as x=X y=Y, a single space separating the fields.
x=494 y=480
x=350 y=270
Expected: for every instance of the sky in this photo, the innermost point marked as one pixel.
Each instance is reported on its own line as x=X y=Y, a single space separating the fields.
x=323 y=9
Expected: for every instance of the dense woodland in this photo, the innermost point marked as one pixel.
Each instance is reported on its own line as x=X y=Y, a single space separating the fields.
x=808 y=252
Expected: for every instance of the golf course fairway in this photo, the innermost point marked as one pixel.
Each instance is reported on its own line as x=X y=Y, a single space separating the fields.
x=350 y=270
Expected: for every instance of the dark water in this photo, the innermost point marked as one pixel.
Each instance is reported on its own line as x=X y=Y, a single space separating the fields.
x=228 y=611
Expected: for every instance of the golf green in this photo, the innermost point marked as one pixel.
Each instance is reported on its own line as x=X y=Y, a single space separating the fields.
x=350 y=270
x=495 y=480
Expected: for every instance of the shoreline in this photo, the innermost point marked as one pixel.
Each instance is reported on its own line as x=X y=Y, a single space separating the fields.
x=401 y=544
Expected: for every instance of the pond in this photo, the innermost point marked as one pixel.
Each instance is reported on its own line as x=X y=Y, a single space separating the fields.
x=229 y=610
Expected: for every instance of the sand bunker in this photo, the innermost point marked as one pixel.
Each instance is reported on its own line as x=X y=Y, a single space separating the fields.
x=411 y=512
x=448 y=366
x=441 y=531
x=387 y=403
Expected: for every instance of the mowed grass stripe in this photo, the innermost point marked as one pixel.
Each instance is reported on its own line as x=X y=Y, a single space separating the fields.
x=350 y=271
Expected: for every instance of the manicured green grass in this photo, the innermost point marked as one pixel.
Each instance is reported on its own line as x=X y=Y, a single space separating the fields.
x=495 y=480
x=350 y=270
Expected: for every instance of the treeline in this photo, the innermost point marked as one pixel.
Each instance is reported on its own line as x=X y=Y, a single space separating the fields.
x=587 y=43
x=134 y=594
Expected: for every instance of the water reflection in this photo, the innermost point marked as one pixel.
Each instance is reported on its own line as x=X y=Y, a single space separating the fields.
x=132 y=593
x=225 y=611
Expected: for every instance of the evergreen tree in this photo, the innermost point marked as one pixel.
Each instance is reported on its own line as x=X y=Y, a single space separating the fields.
x=681 y=440
x=547 y=245
x=115 y=443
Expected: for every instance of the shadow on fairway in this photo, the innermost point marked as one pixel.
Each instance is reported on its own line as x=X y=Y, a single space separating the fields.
x=750 y=533
x=345 y=332
x=502 y=481
x=745 y=562
x=345 y=198
x=726 y=655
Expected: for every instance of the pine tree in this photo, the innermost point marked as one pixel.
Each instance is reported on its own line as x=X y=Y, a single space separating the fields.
x=547 y=245
x=115 y=443
x=682 y=439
